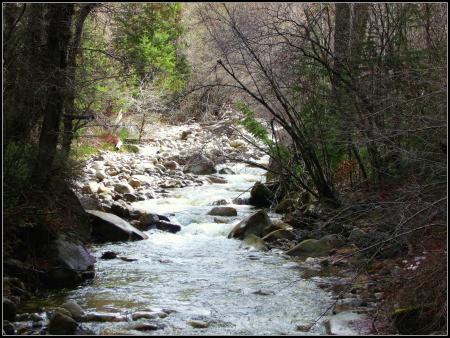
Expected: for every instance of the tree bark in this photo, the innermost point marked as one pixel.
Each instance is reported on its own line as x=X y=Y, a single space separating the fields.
x=71 y=72
x=58 y=37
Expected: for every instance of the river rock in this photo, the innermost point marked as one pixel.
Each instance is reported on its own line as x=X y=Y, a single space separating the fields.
x=145 y=315
x=123 y=188
x=146 y=327
x=119 y=208
x=254 y=224
x=103 y=317
x=166 y=226
x=111 y=228
x=109 y=255
x=260 y=195
x=9 y=309
x=199 y=164
x=254 y=241
x=134 y=182
x=100 y=174
x=75 y=310
x=90 y=188
x=226 y=171
x=172 y=165
x=198 y=324
x=217 y=180
x=223 y=211
x=146 y=220
x=279 y=234
x=316 y=248
x=237 y=143
x=61 y=324
x=220 y=202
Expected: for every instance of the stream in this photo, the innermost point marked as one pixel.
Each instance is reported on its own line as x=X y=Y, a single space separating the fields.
x=199 y=274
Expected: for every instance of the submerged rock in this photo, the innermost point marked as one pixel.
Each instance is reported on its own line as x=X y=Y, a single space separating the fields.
x=111 y=228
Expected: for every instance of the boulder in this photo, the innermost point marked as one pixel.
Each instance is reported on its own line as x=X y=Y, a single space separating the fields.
x=198 y=324
x=144 y=315
x=199 y=164
x=223 y=211
x=146 y=220
x=253 y=224
x=167 y=226
x=119 y=208
x=103 y=317
x=61 y=324
x=100 y=174
x=279 y=234
x=316 y=247
x=107 y=227
x=220 y=202
x=76 y=312
x=123 y=188
x=260 y=195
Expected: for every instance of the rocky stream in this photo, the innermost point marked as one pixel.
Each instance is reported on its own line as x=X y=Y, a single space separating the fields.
x=188 y=258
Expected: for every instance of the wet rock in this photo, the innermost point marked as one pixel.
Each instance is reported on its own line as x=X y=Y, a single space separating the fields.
x=254 y=241
x=120 y=209
x=147 y=220
x=62 y=324
x=75 y=310
x=263 y=292
x=223 y=211
x=60 y=277
x=166 y=226
x=145 y=315
x=279 y=234
x=260 y=195
x=130 y=197
x=9 y=310
x=109 y=255
x=199 y=164
x=103 y=317
x=128 y=259
x=73 y=255
x=226 y=171
x=254 y=224
x=146 y=327
x=111 y=228
x=198 y=324
x=220 y=202
x=217 y=180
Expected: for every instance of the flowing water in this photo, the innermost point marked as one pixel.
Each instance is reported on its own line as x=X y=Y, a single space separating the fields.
x=202 y=275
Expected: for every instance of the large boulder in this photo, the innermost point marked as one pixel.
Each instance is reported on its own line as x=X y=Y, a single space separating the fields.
x=107 y=227
x=260 y=195
x=316 y=247
x=223 y=211
x=199 y=164
x=62 y=324
x=254 y=224
x=167 y=226
x=75 y=310
x=71 y=264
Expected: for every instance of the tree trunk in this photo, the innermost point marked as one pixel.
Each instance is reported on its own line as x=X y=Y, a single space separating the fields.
x=71 y=81
x=58 y=35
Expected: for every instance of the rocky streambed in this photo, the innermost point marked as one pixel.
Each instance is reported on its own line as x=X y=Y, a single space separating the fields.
x=201 y=260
